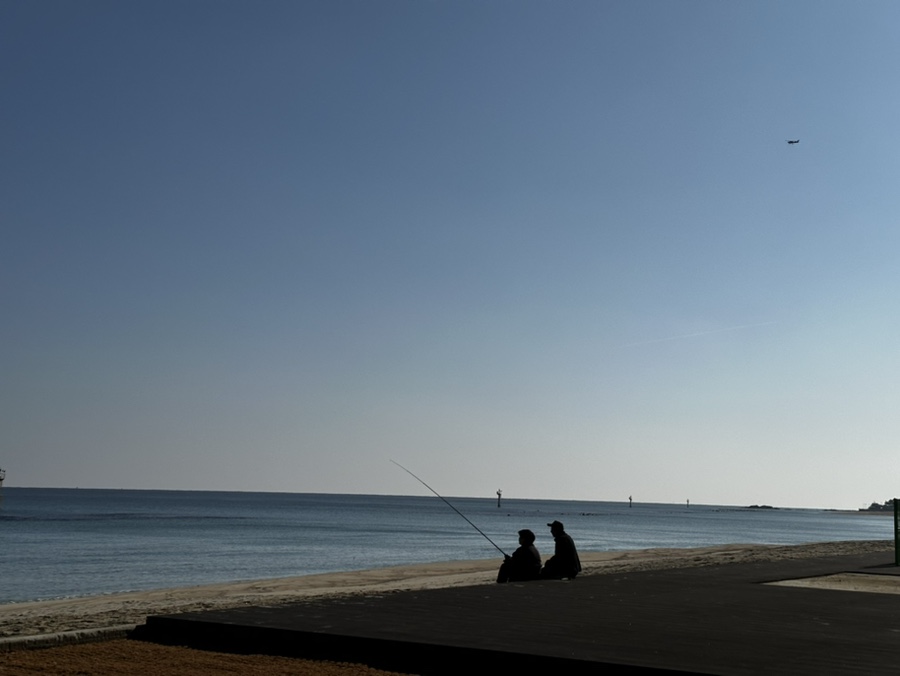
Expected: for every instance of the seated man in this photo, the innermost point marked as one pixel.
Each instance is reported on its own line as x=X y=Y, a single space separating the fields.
x=564 y=563
x=524 y=564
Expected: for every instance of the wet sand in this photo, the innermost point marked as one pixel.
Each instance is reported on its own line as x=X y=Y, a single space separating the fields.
x=24 y=619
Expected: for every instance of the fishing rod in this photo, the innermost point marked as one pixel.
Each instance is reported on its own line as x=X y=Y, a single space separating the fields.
x=451 y=507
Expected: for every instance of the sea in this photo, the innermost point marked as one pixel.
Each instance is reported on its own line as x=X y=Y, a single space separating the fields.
x=63 y=543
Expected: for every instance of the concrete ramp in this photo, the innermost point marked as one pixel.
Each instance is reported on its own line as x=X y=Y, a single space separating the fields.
x=713 y=620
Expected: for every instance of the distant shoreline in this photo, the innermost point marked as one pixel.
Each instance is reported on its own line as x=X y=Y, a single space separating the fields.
x=485 y=498
x=863 y=512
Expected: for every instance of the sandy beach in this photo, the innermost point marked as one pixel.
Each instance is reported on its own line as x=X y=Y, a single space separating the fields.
x=20 y=620
x=43 y=617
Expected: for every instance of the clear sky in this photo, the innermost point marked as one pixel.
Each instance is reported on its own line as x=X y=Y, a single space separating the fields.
x=557 y=248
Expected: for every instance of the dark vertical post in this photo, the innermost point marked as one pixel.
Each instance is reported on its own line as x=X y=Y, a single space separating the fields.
x=896 y=532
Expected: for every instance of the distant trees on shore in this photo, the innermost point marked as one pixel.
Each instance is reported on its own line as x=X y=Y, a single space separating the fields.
x=886 y=506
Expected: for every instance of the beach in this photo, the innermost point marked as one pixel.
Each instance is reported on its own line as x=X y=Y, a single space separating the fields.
x=63 y=615
x=19 y=620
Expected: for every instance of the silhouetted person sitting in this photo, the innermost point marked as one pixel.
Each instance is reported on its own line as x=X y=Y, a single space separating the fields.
x=564 y=563
x=524 y=564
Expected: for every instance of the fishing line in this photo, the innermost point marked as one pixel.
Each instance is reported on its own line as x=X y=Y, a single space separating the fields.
x=451 y=507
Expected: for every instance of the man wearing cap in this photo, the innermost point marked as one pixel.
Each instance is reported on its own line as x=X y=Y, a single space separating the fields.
x=564 y=563
x=524 y=564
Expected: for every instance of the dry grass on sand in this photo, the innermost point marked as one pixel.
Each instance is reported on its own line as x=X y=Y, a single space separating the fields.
x=135 y=658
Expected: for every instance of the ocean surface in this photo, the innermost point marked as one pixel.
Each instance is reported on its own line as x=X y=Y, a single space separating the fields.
x=57 y=543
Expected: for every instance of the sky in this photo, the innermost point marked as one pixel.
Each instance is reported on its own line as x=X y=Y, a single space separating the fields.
x=560 y=249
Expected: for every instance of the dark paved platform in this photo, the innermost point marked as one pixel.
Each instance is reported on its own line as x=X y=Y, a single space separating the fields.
x=713 y=620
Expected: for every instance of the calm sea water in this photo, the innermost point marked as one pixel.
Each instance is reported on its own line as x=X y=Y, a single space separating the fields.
x=80 y=542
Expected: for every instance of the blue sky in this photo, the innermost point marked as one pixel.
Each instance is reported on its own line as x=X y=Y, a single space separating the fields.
x=561 y=249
